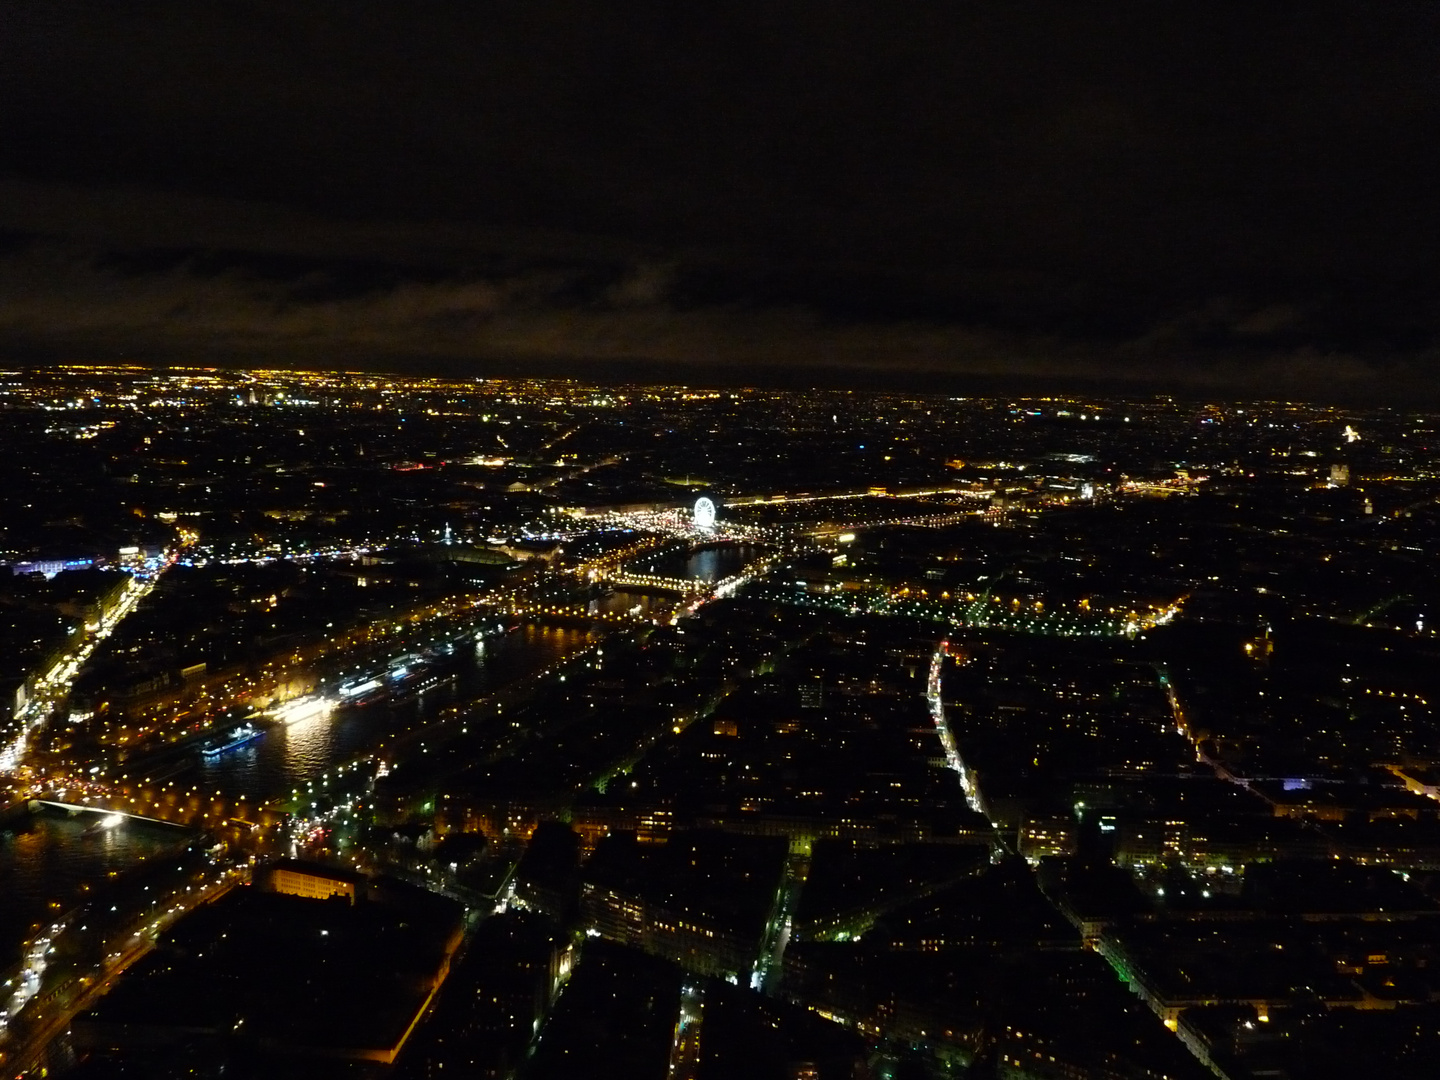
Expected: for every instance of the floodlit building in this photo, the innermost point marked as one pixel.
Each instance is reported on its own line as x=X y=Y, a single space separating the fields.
x=315 y=882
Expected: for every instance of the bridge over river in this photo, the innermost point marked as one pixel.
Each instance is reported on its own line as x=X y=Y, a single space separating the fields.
x=108 y=817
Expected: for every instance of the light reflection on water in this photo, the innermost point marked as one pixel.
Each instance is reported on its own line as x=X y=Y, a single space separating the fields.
x=707 y=564
x=288 y=757
x=308 y=744
x=628 y=602
x=55 y=860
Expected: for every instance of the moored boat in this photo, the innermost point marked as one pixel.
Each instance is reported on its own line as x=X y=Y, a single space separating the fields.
x=231 y=740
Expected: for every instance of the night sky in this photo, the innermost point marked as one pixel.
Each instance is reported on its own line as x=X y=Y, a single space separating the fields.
x=1204 y=197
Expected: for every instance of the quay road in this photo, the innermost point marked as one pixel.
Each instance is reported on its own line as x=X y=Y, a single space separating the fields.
x=53 y=689
x=48 y=1017
x=251 y=818
x=181 y=712
x=433 y=734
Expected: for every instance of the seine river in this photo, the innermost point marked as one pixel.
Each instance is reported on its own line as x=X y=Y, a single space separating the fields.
x=50 y=864
x=52 y=859
x=289 y=757
x=707 y=564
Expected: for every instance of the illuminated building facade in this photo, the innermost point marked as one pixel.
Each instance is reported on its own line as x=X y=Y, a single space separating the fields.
x=313 y=882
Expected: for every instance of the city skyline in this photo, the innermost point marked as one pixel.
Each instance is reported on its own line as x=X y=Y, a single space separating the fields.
x=531 y=725
x=758 y=541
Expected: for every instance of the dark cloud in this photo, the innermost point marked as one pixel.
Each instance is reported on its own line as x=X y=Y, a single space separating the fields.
x=607 y=321
x=1214 y=195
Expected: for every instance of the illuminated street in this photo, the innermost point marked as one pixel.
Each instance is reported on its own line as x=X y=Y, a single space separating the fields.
x=879 y=752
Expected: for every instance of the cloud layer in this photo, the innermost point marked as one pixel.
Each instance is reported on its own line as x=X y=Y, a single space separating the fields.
x=69 y=300
x=1203 y=195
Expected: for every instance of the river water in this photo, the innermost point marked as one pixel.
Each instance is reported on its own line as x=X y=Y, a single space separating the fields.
x=707 y=564
x=53 y=861
x=51 y=866
x=288 y=757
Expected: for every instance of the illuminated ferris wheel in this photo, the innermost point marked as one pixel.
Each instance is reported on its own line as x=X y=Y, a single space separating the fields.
x=703 y=517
